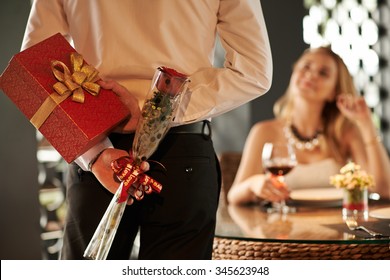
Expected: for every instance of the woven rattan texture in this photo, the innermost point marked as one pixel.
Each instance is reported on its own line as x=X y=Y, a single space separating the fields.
x=233 y=249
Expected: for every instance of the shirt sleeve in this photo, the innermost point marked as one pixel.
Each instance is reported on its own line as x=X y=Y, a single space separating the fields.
x=46 y=18
x=84 y=160
x=247 y=72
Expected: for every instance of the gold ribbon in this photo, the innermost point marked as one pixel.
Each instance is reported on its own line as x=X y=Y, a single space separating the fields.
x=69 y=83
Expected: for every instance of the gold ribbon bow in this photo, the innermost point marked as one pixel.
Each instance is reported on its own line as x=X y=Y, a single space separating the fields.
x=83 y=77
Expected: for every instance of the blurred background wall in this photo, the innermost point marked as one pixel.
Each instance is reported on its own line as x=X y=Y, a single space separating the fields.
x=19 y=206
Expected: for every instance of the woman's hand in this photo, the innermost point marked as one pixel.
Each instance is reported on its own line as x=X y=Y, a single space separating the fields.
x=354 y=108
x=129 y=101
x=104 y=173
x=271 y=189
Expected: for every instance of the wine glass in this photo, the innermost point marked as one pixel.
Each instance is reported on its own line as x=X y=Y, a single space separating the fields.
x=278 y=159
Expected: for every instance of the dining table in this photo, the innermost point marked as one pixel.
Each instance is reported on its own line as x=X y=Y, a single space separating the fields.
x=314 y=231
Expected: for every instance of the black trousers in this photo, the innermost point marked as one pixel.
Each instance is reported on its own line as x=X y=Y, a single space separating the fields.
x=178 y=223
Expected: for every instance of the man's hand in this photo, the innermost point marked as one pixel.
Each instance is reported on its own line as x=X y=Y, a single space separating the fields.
x=129 y=101
x=104 y=173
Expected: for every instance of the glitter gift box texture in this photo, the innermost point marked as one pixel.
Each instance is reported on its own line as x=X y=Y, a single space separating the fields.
x=71 y=128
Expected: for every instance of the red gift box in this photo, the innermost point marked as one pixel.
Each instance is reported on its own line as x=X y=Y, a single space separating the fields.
x=71 y=127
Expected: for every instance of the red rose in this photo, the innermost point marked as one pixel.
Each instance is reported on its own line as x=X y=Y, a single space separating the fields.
x=170 y=81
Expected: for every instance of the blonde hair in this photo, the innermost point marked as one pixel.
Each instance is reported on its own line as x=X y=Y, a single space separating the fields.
x=333 y=121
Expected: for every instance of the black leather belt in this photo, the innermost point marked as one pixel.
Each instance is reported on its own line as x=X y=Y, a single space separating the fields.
x=203 y=127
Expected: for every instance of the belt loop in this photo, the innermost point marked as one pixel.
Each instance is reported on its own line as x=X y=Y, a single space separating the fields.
x=207 y=134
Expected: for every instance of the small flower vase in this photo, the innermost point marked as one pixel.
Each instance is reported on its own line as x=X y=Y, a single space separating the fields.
x=355 y=203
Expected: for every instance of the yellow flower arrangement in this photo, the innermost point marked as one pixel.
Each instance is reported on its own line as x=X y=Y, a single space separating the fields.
x=351 y=177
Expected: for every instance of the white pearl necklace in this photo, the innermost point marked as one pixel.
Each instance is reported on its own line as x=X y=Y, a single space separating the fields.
x=309 y=144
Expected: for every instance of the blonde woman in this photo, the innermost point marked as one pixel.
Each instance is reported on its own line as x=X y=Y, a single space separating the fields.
x=328 y=124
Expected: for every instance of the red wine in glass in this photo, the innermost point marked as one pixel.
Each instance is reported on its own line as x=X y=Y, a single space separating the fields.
x=279 y=159
x=279 y=170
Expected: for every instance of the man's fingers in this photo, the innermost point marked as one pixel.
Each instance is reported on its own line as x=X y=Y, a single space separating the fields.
x=114 y=86
x=130 y=102
x=130 y=201
x=145 y=166
x=136 y=192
